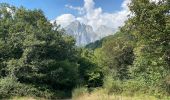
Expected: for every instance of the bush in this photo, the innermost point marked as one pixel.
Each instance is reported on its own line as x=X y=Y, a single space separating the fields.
x=164 y=85
x=112 y=86
x=132 y=87
x=79 y=91
x=9 y=87
x=108 y=82
x=117 y=87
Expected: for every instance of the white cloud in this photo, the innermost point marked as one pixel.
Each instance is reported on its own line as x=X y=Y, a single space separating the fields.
x=64 y=19
x=95 y=16
x=79 y=9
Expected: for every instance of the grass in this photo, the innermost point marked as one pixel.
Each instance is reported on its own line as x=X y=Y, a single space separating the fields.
x=27 y=98
x=81 y=93
x=97 y=96
x=102 y=95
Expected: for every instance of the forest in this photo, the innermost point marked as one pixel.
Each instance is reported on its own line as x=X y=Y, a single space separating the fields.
x=39 y=60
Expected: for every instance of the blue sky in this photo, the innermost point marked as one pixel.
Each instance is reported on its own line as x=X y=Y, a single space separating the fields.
x=111 y=13
x=54 y=8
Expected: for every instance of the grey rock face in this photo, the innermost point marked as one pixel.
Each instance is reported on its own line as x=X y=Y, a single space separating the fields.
x=85 y=34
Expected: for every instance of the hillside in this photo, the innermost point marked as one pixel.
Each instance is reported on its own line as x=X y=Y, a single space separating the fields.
x=41 y=60
x=85 y=34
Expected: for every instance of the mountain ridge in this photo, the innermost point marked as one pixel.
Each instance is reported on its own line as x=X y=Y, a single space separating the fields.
x=85 y=34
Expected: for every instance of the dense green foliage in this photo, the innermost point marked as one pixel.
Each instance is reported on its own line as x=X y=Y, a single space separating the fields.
x=138 y=56
x=37 y=58
x=35 y=52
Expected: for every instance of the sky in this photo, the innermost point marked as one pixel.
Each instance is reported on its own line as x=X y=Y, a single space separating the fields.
x=53 y=8
x=111 y=13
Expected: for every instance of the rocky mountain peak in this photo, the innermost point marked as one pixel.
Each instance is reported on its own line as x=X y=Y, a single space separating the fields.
x=85 y=34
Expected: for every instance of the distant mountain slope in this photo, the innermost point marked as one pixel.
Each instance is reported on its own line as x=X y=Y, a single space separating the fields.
x=85 y=34
x=99 y=43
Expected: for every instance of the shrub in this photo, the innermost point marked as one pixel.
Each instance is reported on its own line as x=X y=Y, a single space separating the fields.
x=108 y=82
x=79 y=91
x=112 y=86
x=117 y=87
x=134 y=86
x=9 y=87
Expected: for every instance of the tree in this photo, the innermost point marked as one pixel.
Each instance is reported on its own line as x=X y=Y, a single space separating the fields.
x=90 y=73
x=115 y=55
x=150 y=26
x=34 y=51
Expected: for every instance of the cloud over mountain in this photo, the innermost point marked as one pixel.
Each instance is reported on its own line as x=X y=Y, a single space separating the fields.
x=95 y=17
x=93 y=23
x=65 y=19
